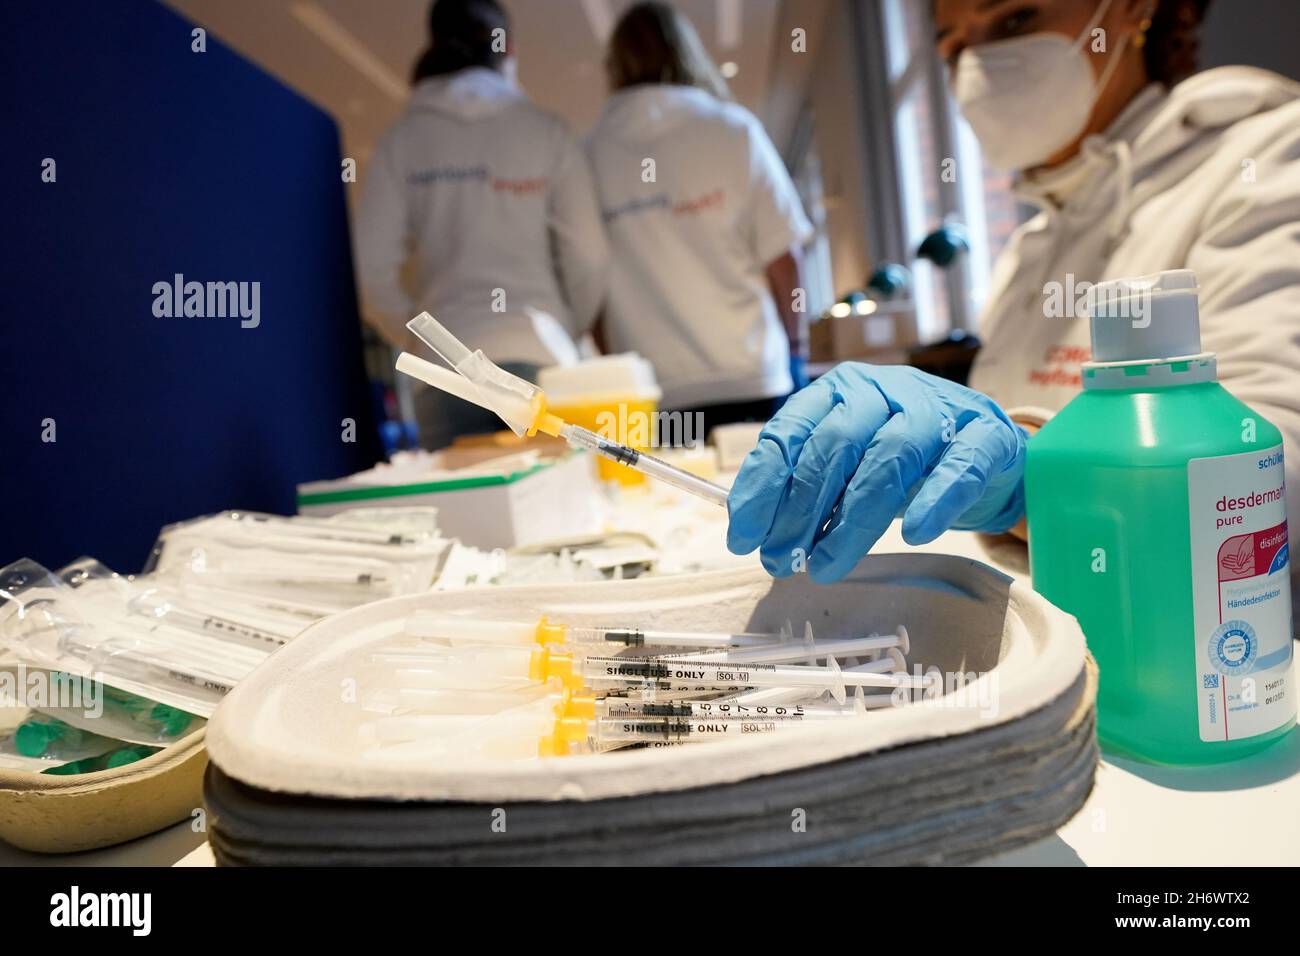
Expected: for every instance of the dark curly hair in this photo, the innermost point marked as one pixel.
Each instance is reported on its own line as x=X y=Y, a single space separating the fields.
x=1172 y=44
x=1171 y=41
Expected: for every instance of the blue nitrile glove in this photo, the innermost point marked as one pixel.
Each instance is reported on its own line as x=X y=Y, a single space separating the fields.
x=862 y=437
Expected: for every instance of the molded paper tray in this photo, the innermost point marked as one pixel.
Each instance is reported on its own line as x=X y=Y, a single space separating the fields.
x=943 y=781
x=48 y=813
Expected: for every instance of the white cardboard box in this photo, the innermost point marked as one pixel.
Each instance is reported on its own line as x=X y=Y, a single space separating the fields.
x=495 y=505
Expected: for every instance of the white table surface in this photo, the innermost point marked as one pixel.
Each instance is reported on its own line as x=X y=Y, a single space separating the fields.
x=164 y=848
x=1241 y=813
x=1237 y=814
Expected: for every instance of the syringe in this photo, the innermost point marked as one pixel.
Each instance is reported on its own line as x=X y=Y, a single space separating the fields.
x=703 y=672
x=549 y=727
x=156 y=672
x=607 y=733
x=298 y=614
x=419 y=691
x=579 y=437
x=464 y=630
x=723 y=708
x=522 y=406
x=751 y=646
x=271 y=528
x=788 y=652
x=771 y=703
x=156 y=606
x=163 y=662
x=502 y=665
x=143 y=715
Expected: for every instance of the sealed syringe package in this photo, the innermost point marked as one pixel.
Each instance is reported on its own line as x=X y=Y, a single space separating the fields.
x=112 y=675
x=91 y=624
x=927 y=709
x=84 y=764
x=313 y=566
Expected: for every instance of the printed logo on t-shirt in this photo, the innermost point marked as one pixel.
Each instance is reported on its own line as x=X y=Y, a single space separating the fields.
x=1061 y=366
x=462 y=175
x=706 y=202
x=690 y=207
x=520 y=187
x=448 y=174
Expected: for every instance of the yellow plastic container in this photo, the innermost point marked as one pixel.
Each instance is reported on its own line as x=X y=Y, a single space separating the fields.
x=615 y=396
x=628 y=419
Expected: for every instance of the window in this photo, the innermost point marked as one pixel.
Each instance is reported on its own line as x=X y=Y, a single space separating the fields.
x=806 y=172
x=940 y=172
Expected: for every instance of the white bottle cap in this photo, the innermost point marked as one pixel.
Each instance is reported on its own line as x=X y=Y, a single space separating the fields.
x=1147 y=318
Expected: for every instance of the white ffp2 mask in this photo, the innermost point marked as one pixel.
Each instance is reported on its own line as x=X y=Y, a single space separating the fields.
x=1029 y=97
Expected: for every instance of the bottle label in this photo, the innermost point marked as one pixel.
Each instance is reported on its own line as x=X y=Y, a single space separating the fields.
x=1241 y=594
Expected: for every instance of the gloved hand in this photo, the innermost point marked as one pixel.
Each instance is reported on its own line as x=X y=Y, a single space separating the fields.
x=861 y=438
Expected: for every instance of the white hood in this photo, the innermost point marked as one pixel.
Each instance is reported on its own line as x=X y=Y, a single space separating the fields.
x=469 y=94
x=1205 y=177
x=1137 y=199
x=1141 y=146
x=641 y=114
x=1211 y=101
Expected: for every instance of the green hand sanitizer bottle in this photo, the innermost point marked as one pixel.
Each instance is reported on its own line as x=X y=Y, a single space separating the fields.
x=1157 y=516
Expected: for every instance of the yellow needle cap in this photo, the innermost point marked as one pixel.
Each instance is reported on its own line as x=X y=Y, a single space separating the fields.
x=546 y=665
x=548 y=633
x=544 y=421
x=572 y=729
x=554 y=745
x=576 y=705
x=568 y=731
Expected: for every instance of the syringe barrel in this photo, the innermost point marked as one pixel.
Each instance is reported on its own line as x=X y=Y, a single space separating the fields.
x=532 y=719
x=580 y=437
x=724 y=708
x=704 y=672
x=462 y=630
x=473 y=666
x=681 y=729
x=448 y=700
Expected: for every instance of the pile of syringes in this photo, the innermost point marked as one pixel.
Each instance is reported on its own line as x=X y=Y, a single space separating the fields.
x=134 y=663
x=459 y=688
x=313 y=566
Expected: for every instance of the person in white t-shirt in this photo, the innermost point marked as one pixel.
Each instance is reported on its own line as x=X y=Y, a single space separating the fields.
x=493 y=199
x=705 y=226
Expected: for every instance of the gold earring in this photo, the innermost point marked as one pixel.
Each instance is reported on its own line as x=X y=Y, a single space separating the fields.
x=1141 y=39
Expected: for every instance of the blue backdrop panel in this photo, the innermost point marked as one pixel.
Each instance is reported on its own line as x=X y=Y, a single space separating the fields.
x=167 y=161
